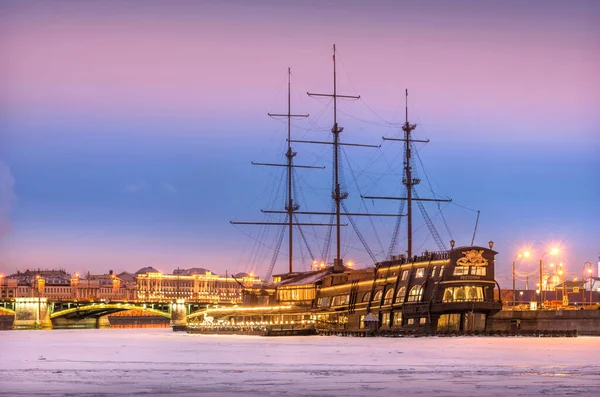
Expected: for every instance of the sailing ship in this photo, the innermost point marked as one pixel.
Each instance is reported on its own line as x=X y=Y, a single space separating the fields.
x=448 y=290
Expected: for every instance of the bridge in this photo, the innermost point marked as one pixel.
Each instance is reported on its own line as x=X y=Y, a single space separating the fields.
x=42 y=313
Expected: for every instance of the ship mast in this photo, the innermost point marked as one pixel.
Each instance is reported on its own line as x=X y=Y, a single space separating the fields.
x=408 y=180
x=290 y=206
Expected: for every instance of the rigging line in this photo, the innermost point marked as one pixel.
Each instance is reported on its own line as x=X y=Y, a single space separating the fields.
x=431 y=188
x=312 y=257
x=304 y=200
x=433 y=218
x=360 y=237
x=368 y=122
x=277 y=249
x=355 y=90
x=362 y=202
x=258 y=253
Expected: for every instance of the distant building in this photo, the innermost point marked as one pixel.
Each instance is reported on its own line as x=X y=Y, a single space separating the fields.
x=194 y=284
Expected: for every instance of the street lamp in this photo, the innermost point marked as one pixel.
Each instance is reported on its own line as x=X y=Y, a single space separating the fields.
x=589 y=272
x=553 y=251
x=521 y=297
x=522 y=254
x=561 y=273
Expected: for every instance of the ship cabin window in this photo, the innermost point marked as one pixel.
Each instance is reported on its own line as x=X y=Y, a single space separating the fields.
x=385 y=319
x=441 y=273
x=420 y=272
x=410 y=321
x=340 y=300
x=461 y=270
x=400 y=295
x=362 y=322
x=398 y=319
x=366 y=297
x=463 y=293
x=389 y=297
x=433 y=271
x=415 y=294
x=423 y=320
x=404 y=275
x=478 y=271
x=377 y=297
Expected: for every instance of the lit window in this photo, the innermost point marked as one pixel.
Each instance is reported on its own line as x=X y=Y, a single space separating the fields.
x=385 y=319
x=478 y=271
x=404 y=275
x=410 y=321
x=423 y=320
x=420 y=272
x=441 y=273
x=377 y=296
x=400 y=295
x=461 y=270
x=415 y=294
x=433 y=271
x=398 y=319
x=389 y=297
x=366 y=297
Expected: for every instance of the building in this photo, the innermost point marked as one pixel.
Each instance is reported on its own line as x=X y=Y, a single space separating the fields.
x=194 y=285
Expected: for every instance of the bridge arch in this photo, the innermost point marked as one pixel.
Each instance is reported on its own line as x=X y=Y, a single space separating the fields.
x=103 y=309
x=6 y=311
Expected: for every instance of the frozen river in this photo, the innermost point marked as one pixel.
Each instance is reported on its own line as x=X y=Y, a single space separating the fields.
x=156 y=362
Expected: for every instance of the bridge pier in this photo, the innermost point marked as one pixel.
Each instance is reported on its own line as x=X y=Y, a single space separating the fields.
x=32 y=313
x=178 y=315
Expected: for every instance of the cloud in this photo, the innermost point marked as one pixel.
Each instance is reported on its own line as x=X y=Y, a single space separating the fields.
x=7 y=197
x=135 y=187
x=169 y=187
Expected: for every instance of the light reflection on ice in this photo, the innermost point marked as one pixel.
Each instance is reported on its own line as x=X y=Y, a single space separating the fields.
x=160 y=362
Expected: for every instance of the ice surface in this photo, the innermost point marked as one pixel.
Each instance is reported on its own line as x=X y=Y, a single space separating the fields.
x=155 y=362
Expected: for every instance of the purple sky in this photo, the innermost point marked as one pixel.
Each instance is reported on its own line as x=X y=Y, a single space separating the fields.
x=127 y=128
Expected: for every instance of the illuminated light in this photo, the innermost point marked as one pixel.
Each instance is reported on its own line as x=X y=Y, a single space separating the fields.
x=554 y=251
x=526 y=254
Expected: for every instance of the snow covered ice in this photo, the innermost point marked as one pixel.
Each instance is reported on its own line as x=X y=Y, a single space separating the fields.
x=156 y=362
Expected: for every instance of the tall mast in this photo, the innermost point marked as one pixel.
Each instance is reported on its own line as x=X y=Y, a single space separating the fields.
x=337 y=194
x=290 y=207
x=336 y=140
x=408 y=182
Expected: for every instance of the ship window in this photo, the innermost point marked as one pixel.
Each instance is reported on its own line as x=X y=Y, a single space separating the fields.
x=423 y=320
x=362 y=321
x=398 y=319
x=449 y=322
x=478 y=271
x=377 y=296
x=389 y=297
x=385 y=319
x=366 y=297
x=441 y=273
x=410 y=321
x=433 y=271
x=420 y=272
x=415 y=294
x=400 y=295
x=404 y=275
x=340 y=300
x=463 y=294
x=460 y=270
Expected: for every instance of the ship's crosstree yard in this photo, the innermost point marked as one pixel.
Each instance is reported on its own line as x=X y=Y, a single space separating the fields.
x=146 y=362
